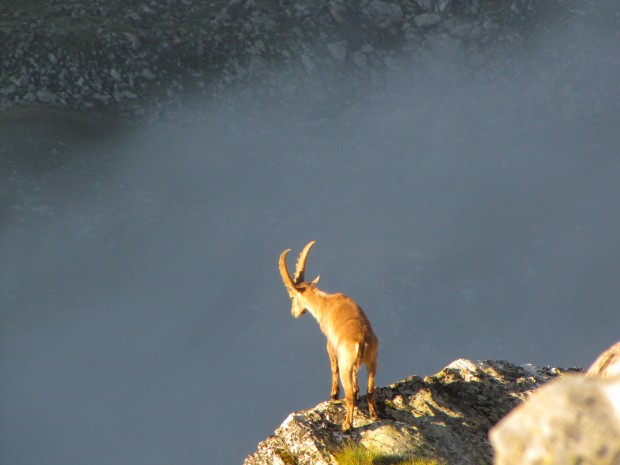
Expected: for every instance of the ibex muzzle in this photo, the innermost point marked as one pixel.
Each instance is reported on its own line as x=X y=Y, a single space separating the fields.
x=350 y=338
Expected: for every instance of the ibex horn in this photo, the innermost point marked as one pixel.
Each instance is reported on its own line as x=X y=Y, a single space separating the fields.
x=300 y=268
x=288 y=282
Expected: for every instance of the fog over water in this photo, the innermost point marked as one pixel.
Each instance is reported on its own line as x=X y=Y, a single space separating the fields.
x=473 y=210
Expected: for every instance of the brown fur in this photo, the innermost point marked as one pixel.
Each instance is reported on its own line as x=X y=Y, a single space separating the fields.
x=351 y=341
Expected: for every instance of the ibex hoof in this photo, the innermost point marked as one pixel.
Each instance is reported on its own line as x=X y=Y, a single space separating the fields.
x=346 y=428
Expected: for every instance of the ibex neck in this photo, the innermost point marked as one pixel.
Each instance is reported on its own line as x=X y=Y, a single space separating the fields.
x=313 y=300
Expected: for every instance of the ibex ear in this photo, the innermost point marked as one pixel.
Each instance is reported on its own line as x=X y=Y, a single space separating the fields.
x=316 y=280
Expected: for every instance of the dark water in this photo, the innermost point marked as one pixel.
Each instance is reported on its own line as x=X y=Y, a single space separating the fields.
x=472 y=214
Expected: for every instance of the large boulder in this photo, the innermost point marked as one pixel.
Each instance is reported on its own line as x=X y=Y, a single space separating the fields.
x=574 y=420
x=607 y=365
x=446 y=416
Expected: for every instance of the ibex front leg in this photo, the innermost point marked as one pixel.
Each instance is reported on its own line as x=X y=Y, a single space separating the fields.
x=333 y=360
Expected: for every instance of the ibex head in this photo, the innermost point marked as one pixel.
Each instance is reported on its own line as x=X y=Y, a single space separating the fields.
x=297 y=286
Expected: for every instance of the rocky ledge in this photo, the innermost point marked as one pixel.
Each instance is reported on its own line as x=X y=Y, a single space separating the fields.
x=446 y=416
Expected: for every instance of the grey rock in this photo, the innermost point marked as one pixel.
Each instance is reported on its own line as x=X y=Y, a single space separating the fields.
x=124 y=95
x=44 y=96
x=115 y=75
x=148 y=74
x=445 y=416
x=426 y=5
x=135 y=17
x=336 y=10
x=338 y=50
x=103 y=98
x=8 y=90
x=134 y=41
x=307 y=62
x=427 y=20
x=23 y=79
x=360 y=59
x=442 y=5
x=384 y=14
x=463 y=31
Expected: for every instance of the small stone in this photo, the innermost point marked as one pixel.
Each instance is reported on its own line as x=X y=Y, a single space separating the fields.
x=359 y=58
x=8 y=90
x=135 y=17
x=443 y=4
x=23 y=79
x=147 y=74
x=426 y=5
x=259 y=45
x=44 y=96
x=307 y=62
x=338 y=50
x=385 y=14
x=115 y=75
x=336 y=9
x=427 y=20
x=462 y=31
x=103 y=98
x=134 y=41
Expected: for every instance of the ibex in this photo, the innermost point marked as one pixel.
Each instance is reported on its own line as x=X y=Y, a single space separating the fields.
x=350 y=338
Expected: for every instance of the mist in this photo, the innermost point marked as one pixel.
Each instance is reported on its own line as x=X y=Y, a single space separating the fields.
x=472 y=209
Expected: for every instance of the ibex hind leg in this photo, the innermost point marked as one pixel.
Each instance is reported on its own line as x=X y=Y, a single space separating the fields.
x=360 y=350
x=372 y=406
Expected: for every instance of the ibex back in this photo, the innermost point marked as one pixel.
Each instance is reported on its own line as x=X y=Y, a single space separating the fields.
x=350 y=338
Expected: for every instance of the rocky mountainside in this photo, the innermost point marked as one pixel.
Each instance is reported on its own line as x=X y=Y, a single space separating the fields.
x=446 y=416
x=144 y=56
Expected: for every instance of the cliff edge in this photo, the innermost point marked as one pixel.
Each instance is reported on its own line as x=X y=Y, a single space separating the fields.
x=446 y=416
